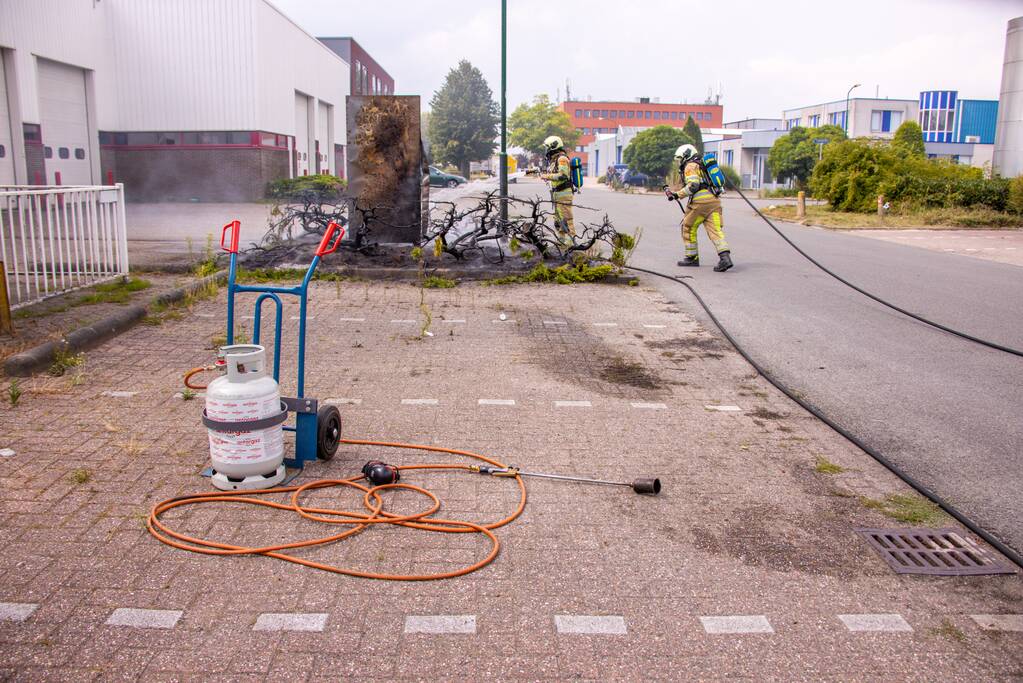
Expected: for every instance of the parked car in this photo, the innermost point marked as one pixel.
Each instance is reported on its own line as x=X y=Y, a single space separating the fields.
x=634 y=179
x=439 y=178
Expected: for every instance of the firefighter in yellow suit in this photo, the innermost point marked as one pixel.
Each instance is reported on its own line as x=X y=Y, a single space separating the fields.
x=704 y=209
x=559 y=175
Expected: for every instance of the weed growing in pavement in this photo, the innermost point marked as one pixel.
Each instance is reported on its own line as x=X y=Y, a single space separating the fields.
x=634 y=282
x=562 y=275
x=64 y=360
x=437 y=282
x=14 y=392
x=132 y=447
x=240 y=337
x=208 y=265
x=948 y=630
x=267 y=275
x=81 y=475
x=187 y=394
x=825 y=466
x=908 y=508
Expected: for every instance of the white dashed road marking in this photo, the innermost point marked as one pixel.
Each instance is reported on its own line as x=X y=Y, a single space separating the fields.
x=655 y=327
x=17 y=611
x=509 y=320
x=308 y=317
x=496 y=401
x=725 y=409
x=573 y=404
x=456 y=623
x=999 y=622
x=290 y=622
x=419 y=401
x=6 y=452
x=350 y=320
x=144 y=618
x=875 y=622
x=119 y=394
x=453 y=321
x=605 y=324
x=572 y=623
x=649 y=406
x=343 y=401
x=738 y=624
x=207 y=315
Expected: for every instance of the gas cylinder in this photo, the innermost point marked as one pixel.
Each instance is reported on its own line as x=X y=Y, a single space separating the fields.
x=245 y=458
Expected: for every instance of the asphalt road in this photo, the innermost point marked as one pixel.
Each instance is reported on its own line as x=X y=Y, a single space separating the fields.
x=948 y=411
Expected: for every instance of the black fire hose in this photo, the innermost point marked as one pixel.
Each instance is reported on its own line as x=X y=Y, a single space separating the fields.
x=891 y=466
x=914 y=316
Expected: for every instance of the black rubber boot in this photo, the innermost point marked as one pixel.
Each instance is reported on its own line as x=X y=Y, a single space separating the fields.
x=724 y=263
x=690 y=261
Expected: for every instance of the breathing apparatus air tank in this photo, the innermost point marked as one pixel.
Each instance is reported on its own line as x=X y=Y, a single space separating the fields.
x=244 y=416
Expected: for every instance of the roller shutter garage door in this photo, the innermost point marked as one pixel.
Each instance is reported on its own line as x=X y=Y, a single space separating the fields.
x=6 y=153
x=65 y=123
x=301 y=135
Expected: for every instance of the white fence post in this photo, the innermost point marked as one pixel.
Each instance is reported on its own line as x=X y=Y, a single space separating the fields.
x=54 y=239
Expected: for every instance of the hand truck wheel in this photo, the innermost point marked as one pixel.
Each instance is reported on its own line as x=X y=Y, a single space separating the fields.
x=328 y=432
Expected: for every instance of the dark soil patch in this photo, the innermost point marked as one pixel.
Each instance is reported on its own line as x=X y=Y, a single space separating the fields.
x=688 y=347
x=621 y=371
x=765 y=414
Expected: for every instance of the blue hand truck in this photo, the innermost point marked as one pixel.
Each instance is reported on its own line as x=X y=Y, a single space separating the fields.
x=317 y=429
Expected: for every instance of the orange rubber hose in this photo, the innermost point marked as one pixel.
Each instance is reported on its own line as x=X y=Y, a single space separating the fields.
x=193 y=372
x=359 y=521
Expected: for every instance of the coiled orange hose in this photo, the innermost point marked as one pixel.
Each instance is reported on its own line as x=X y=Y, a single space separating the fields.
x=358 y=520
x=195 y=371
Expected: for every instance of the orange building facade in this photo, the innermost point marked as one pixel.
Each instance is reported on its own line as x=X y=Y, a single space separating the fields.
x=591 y=118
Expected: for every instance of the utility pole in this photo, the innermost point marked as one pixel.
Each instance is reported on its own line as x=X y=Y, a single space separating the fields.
x=504 y=110
x=846 y=117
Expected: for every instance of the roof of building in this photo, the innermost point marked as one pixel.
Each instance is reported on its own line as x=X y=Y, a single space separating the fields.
x=853 y=99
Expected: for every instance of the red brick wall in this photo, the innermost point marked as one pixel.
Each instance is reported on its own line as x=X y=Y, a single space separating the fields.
x=712 y=117
x=207 y=175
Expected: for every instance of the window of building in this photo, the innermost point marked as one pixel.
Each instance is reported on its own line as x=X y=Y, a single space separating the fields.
x=603 y=113
x=646 y=114
x=621 y=113
x=578 y=148
x=728 y=157
x=657 y=115
x=3 y=151
x=837 y=118
x=814 y=121
x=578 y=113
x=791 y=123
x=596 y=113
x=31 y=132
x=699 y=116
x=47 y=152
x=168 y=138
x=358 y=78
x=632 y=114
x=79 y=153
x=586 y=131
x=674 y=116
x=683 y=116
x=886 y=121
x=64 y=152
x=614 y=114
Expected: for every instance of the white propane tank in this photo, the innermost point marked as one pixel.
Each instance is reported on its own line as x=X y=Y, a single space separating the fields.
x=245 y=459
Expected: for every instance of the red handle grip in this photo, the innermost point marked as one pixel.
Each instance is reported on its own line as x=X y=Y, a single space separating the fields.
x=326 y=246
x=235 y=226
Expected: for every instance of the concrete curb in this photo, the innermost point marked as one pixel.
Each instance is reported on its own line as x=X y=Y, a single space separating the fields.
x=39 y=357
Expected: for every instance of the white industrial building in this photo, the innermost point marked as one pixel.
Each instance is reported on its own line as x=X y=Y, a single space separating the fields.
x=178 y=99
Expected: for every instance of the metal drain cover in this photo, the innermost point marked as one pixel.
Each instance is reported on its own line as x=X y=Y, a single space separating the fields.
x=938 y=552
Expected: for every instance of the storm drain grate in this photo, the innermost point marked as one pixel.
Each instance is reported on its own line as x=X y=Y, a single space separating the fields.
x=939 y=552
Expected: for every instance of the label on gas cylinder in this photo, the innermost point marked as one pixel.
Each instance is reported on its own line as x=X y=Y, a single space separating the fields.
x=244 y=447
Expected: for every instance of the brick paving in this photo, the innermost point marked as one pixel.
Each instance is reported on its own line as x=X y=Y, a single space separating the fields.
x=747 y=565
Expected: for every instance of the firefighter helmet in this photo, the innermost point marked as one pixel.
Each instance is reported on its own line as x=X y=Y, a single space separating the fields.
x=685 y=153
x=553 y=144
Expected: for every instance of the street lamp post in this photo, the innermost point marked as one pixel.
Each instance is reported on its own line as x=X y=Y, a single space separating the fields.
x=846 y=117
x=504 y=111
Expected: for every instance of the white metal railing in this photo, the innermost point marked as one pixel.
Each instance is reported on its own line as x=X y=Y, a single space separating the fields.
x=54 y=239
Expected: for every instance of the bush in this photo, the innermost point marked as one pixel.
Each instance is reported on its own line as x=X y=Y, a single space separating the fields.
x=731 y=175
x=1014 y=202
x=854 y=172
x=320 y=187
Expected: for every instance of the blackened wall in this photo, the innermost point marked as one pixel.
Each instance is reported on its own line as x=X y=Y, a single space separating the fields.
x=206 y=175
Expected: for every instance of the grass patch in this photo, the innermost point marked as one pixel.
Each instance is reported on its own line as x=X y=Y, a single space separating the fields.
x=240 y=337
x=117 y=292
x=64 y=360
x=973 y=217
x=562 y=275
x=908 y=508
x=825 y=466
x=948 y=630
x=437 y=282
x=14 y=393
x=264 y=275
x=81 y=475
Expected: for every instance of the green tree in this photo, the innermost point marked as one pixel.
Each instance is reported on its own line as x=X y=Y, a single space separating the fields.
x=693 y=132
x=794 y=155
x=652 y=151
x=530 y=124
x=463 y=118
x=909 y=139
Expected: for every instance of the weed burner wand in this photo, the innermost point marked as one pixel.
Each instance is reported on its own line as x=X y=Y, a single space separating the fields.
x=651 y=486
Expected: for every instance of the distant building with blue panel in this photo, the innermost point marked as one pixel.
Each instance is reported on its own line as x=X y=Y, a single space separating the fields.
x=958 y=129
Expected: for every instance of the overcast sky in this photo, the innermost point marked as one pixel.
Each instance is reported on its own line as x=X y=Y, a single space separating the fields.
x=767 y=56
